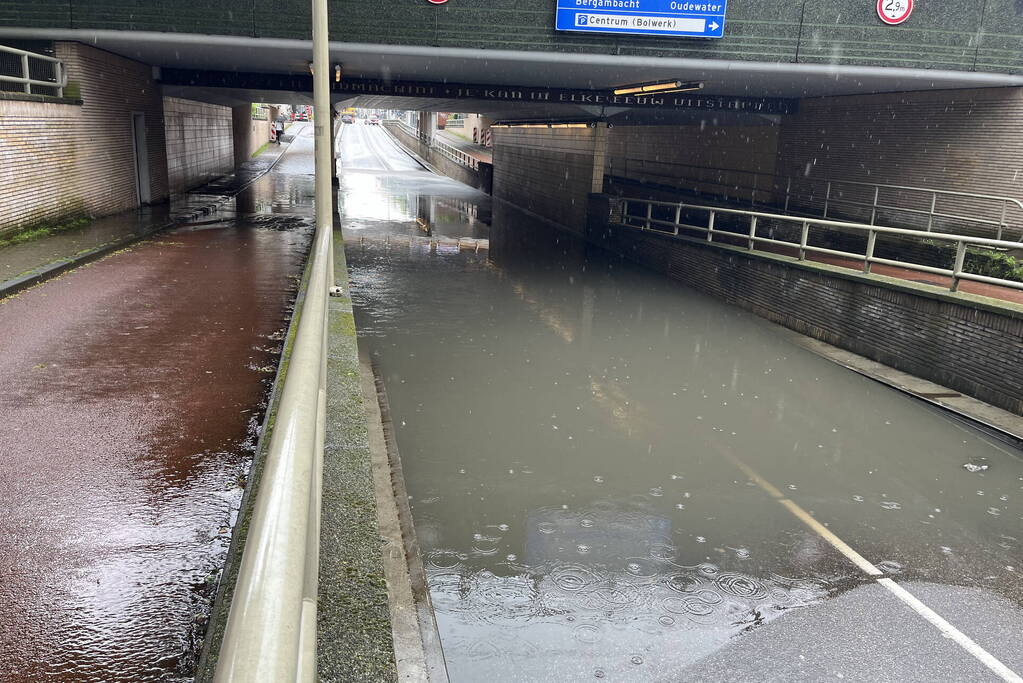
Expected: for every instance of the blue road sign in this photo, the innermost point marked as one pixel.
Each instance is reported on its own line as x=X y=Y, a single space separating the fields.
x=644 y=17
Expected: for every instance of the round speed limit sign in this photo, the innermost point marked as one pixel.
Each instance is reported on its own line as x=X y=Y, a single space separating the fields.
x=893 y=12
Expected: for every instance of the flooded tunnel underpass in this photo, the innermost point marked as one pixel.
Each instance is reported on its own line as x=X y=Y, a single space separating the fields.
x=133 y=390
x=614 y=477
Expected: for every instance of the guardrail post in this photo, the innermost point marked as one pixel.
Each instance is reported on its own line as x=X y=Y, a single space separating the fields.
x=710 y=227
x=788 y=192
x=827 y=199
x=873 y=209
x=957 y=269
x=649 y=215
x=678 y=217
x=752 y=232
x=934 y=206
x=1001 y=221
x=804 y=237
x=27 y=74
x=869 y=256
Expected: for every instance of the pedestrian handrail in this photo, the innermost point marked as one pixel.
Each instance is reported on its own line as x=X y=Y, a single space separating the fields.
x=58 y=83
x=808 y=196
x=456 y=155
x=647 y=221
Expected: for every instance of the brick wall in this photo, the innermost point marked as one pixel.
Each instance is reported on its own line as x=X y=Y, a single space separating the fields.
x=37 y=158
x=965 y=140
x=199 y=142
x=970 y=348
x=113 y=87
x=550 y=171
x=63 y=160
x=706 y=158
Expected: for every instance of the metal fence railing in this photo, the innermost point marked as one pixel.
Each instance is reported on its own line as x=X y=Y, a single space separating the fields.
x=31 y=72
x=456 y=155
x=673 y=218
x=922 y=208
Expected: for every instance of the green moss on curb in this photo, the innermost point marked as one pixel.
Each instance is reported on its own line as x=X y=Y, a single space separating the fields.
x=355 y=641
x=44 y=229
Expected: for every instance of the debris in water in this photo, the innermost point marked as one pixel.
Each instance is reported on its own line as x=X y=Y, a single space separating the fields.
x=976 y=465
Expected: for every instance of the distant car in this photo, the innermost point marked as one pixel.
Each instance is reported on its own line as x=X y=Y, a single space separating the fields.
x=347 y=118
x=374 y=121
x=303 y=117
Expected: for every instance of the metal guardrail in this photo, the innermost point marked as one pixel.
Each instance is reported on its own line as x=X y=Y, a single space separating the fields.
x=796 y=195
x=58 y=83
x=271 y=627
x=648 y=222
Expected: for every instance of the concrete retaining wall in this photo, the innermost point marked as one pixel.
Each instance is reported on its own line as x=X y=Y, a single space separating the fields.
x=550 y=171
x=961 y=342
x=669 y=155
x=199 y=142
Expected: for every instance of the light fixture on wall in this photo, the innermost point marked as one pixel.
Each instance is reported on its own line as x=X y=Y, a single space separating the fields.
x=337 y=73
x=544 y=124
x=311 y=69
x=658 y=87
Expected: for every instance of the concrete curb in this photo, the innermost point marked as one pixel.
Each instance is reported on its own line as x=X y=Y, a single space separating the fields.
x=55 y=268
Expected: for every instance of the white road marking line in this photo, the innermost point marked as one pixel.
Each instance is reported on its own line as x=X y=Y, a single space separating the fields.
x=837 y=543
x=964 y=641
x=936 y=620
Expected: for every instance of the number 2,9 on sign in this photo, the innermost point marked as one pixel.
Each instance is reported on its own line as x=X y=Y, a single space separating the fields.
x=894 y=12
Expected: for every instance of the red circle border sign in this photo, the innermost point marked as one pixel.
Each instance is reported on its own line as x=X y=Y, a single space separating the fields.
x=894 y=19
x=436 y=2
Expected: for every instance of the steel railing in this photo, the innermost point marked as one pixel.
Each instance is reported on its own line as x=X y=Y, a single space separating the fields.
x=58 y=83
x=456 y=155
x=449 y=151
x=995 y=215
x=647 y=221
x=271 y=627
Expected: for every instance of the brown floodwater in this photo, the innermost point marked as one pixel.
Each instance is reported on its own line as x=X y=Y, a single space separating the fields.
x=132 y=390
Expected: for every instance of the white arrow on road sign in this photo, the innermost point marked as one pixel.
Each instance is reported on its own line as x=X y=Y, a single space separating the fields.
x=713 y=26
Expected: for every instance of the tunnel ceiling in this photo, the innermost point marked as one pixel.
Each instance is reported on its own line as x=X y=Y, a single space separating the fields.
x=500 y=67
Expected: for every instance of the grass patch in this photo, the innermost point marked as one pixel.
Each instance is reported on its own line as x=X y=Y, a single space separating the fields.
x=260 y=150
x=44 y=230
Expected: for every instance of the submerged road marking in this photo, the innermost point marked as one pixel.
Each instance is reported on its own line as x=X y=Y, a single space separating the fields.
x=936 y=620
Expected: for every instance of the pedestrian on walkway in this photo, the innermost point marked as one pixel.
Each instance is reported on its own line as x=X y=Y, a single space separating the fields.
x=278 y=129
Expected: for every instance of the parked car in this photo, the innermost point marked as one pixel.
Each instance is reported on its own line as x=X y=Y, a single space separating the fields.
x=374 y=120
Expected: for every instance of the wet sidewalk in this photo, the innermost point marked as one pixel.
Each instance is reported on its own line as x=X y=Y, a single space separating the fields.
x=26 y=263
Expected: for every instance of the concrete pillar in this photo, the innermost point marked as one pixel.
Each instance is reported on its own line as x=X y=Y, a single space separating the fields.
x=241 y=133
x=565 y=166
x=599 y=157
